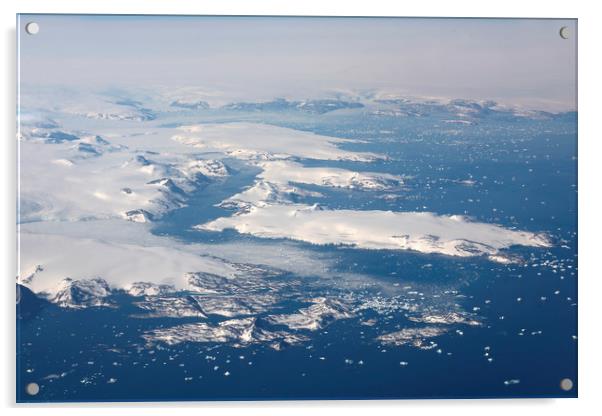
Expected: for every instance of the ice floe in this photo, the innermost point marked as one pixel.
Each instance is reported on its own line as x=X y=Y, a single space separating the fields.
x=446 y=319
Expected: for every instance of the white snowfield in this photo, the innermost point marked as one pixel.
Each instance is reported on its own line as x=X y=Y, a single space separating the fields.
x=92 y=174
x=119 y=264
x=127 y=256
x=266 y=209
x=278 y=179
x=91 y=178
x=291 y=172
x=418 y=231
x=263 y=192
x=250 y=141
x=81 y=104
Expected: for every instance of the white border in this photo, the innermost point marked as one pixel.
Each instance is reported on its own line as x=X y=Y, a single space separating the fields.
x=590 y=152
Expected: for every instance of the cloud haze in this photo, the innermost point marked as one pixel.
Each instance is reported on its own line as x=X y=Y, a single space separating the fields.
x=515 y=61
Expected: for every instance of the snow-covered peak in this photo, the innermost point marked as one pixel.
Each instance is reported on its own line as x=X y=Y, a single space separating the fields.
x=83 y=293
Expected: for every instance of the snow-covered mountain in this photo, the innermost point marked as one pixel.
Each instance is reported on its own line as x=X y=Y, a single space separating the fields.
x=92 y=191
x=309 y=106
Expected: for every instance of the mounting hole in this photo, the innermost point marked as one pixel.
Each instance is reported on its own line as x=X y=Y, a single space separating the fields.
x=564 y=32
x=32 y=28
x=566 y=384
x=32 y=389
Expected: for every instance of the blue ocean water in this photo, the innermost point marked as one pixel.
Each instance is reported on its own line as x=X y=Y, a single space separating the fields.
x=517 y=173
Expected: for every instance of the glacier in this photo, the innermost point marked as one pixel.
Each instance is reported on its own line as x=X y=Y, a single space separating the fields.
x=97 y=176
x=378 y=230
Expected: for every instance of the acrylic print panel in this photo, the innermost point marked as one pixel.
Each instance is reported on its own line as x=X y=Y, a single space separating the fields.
x=226 y=208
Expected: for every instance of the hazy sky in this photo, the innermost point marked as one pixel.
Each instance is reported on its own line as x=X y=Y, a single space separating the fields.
x=523 y=62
